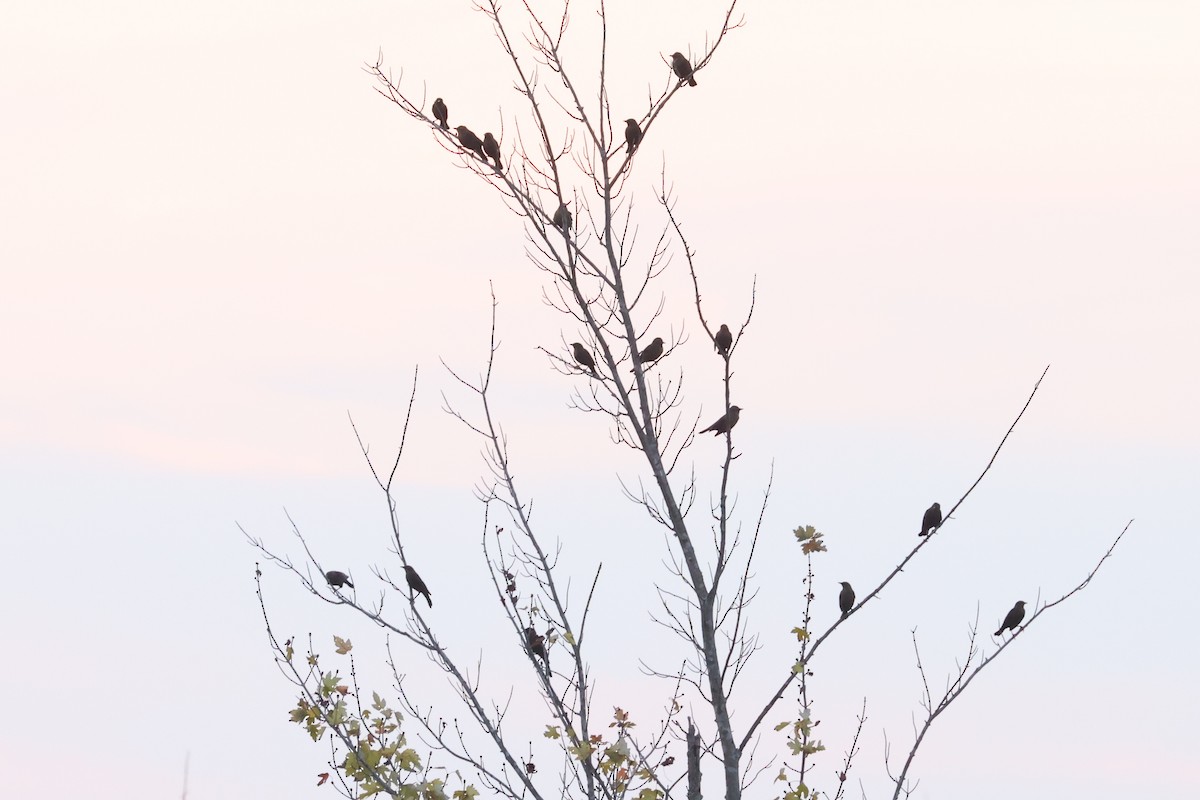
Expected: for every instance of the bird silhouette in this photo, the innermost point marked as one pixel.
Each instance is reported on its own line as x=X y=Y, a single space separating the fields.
x=723 y=340
x=562 y=218
x=492 y=148
x=1012 y=619
x=441 y=113
x=846 y=599
x=727 y=421
x=338 y=579
x=931 y=521
x=415 y=584
x=682 y=68
x=633 y=135
x=584 y=357
x=537 y=644
x=652 y=353
x=468 y=139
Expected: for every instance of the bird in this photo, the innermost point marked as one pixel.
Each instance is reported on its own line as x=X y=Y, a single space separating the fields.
x=584 y=357
x=727 y=421
x=338 y=579
x=492 y=148
x=441 y=113
x=682 y=68
x=846 y=599
x=633 y=135
x=723 y=340
x=562 y=218
x=653 y=352
x=1012 y=619
x=931 y=521
x=468 y=139
x=537 y=644
x=415 y=584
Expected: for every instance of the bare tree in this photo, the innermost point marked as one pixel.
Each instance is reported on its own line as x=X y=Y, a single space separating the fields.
x=563 y=168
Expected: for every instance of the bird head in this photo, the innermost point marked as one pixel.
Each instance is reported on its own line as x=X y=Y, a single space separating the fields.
x=657 y=340
x=677 y=54
x=1021 y=603
x=631 y=122
x=844 y=584
x=735 y=409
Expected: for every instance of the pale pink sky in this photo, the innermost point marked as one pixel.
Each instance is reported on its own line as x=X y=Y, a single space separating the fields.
x=216 y=239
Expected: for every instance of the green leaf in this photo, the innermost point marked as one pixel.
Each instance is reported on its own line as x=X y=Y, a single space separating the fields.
x=409 y=760
x=338 y=715
x=582 y=751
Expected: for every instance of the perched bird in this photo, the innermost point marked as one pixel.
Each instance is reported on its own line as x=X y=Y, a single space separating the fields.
x=931 y=521
x=633 y=135
x=653 y=352
x=562 y=218
x=492 y=148
x=441 y=113
x=846 y=599
x=683 y=68
x=1012 y=619
x=415 y=584
x=537 y=644
x=727 y=421
x=468 y=139
x=584 y=357
x=723 y=340
x=338 y=579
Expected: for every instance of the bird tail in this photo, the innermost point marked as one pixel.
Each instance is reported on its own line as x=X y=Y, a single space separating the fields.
x=348 y=583
x=445 y=125
x=997 y=633
x=429 y=600
x=691 y=81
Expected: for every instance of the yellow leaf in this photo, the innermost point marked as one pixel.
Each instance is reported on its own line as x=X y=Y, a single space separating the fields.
x=343 y=646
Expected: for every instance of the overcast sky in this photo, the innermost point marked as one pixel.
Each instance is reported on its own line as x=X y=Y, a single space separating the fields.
x=216 y=240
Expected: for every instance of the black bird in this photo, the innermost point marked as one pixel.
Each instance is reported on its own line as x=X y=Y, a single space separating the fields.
x=441 y=113
x=727 y=421
x=683 y=68
x=1012 y=619
x=633 y=135
x=652 y=353
x=562 y=218
x=931 y=521
x=415 y=584
x=492 y=148
x=338 y=579
x=846 y=599
x=723 y=340
x=537 y=644
x=468 y=139
x=584 y=357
